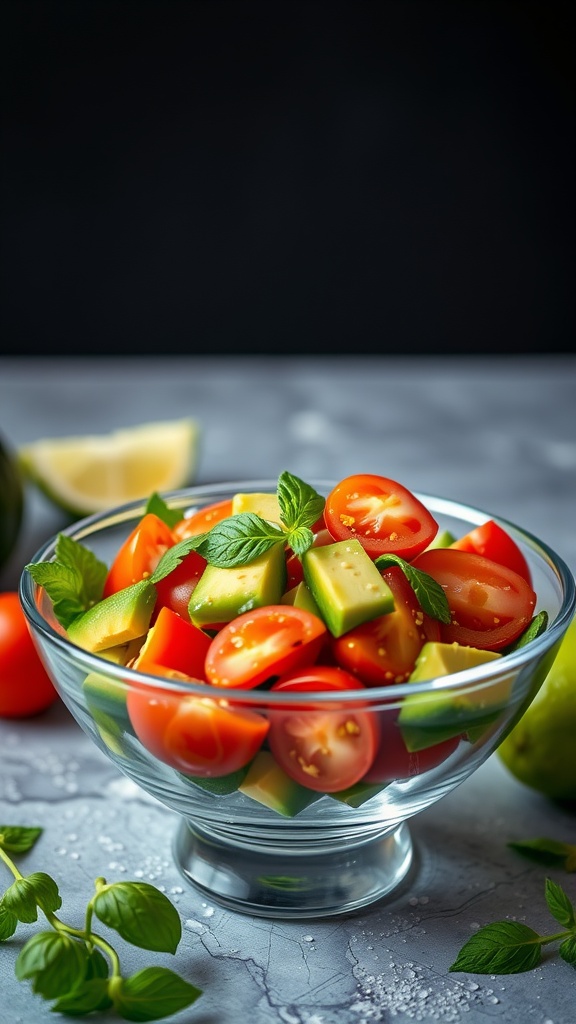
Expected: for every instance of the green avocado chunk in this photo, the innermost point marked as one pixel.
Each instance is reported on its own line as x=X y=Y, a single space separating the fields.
x=429 y=718
x=346 y=585
x=222 y=594
x=117 y=619
x=300 y=597
x=267 y=783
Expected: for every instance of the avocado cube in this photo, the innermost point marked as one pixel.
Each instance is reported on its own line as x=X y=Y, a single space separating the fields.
x=117 y=619
x=346 y=585
x=428 y=718
x=267 y=783
x=264 y=505
x=222 y=594
x=300 y=597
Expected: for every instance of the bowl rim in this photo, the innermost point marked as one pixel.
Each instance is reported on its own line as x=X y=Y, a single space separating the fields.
x=483 y=675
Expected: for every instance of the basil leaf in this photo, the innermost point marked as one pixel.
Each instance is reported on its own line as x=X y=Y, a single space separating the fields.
x=153 y=993
x=547 y=851
x=141 y=914
x=300 y=540
x=568 y=950
x=20 y=900
x=17 y=838
x=506 y=947
x=158 y=507
x=300 y=504
x=429 y=593
x=239 y=540
x=559 y=904
x=85 y=998
x=8 y=922
x=56 y=963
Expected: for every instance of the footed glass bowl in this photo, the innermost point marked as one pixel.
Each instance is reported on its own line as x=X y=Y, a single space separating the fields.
x=254 y=840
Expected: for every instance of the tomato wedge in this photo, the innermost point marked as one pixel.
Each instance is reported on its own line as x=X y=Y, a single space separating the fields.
x=382 y=514
x=200 y=736
x=202 y=520
x=139 y=554
x=174 y=644
x=384 y=650
x=325 y=748
x=493 y=542
x=265 y=642
x=490 y=605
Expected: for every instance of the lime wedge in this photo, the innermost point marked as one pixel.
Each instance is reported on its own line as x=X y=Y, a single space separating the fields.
x=92 y=473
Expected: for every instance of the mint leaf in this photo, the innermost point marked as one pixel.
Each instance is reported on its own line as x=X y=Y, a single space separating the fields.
x=8 y=922
x=568 y=950
x=559 y=905
x=429 y=593
x=174 y=555
x=141 y=914
x=158 y=507
x=239 y=540
x=153 y=993
x=506 y=947
x=55 y=962
x=300 y=539
x=300 y=504
x=17 y=838
x=547 y=851
x=85 y=998
x=26 y=894
x=74 y=580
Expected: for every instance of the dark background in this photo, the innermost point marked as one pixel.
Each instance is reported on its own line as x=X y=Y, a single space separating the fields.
x=212 y=177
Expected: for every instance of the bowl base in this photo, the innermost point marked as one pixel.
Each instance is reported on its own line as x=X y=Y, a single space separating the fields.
x=312 y=882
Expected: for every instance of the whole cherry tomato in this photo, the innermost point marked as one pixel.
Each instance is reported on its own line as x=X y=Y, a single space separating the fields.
x=25 y=687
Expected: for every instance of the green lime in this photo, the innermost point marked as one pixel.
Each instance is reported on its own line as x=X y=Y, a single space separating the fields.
x=540 y=751
x=11 y=503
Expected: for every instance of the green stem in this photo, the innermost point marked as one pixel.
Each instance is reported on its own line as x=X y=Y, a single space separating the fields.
x=89 y=937
x=544 y=939
x=10 y=864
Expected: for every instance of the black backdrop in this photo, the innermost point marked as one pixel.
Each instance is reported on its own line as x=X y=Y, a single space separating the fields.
x=213 y=177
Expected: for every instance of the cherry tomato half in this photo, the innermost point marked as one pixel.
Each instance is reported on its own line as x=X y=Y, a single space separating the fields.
x=490 y=605
x=202 y=520
x=25 y=687
x=265 y=642
x=139 y=554
x=382 y=514
x=325 y=748
x=493 y=542
x=197 y=735
x=384 y=650
x=176 y=589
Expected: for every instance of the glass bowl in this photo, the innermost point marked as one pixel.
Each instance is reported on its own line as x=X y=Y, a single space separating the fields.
x=277 y=849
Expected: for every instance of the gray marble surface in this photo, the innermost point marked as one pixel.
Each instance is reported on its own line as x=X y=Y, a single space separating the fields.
x=499 y=434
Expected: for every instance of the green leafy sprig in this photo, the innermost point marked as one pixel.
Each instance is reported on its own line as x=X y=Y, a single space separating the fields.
x=78 y=968
x=74 y=579
x=510 y=947
x=547 y=851
x=429 y=593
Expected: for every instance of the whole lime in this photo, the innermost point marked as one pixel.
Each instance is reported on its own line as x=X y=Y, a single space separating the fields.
x=11 y=502
x=540 y=751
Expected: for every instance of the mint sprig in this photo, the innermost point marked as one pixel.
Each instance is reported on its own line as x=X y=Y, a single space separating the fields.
x=74 y=579
x=76 y=966
x=429 y=593
x=547 y=851
x=510 y=947
x=158 y=507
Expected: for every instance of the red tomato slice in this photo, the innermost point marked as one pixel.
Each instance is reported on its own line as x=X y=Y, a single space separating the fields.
x=175 y=644
x=394 y=761
x=202 y=520
x=323 y=748
x=493 y=542
x=197 y=735
x=176 y=589
x=384 y=650
x=490 y=605
x=139 y=554
x=262 y=643
x=381 y=514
